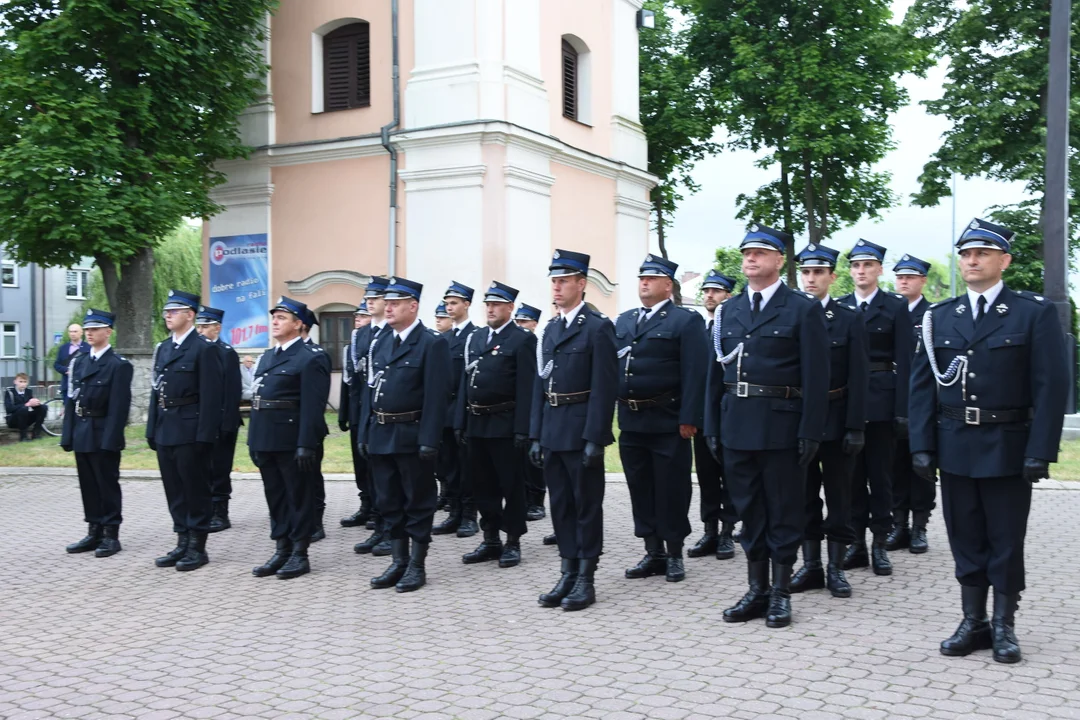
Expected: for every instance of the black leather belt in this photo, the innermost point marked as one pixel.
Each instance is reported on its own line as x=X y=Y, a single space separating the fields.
x=557 y=399
x=635 y=405
x=492 y=409
x=882 y=367
x=177 y=402
x=743 y=389
x=87 y=412
x=257 y=403
x=980 y=416
x=392 y=418
x=837 y=393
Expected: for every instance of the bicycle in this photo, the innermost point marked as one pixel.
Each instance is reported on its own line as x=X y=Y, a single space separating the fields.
x=54 y=417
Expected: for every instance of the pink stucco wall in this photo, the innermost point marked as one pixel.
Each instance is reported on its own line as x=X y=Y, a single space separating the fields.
x=583 y=219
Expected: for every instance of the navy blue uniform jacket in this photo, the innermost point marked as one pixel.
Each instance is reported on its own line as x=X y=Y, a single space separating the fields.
x=300 y=374
x=63 y=359
x=193 y=369
x=415 y=376
x=104 y=387
x=457 y=358
x=847 y=369
x=584 y=359
x=233 y=387
x=665 y=355
x=503 y=372
x=890 y=340
x=787 y=345
x=1016 y=359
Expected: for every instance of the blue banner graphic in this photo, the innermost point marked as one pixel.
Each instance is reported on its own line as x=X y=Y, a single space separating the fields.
x=239 y=282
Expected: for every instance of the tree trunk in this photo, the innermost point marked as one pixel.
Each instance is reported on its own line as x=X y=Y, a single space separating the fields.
x=785 y=199
x=658 y=205
x=824 y=204
x=130 y=289
x=808 y=202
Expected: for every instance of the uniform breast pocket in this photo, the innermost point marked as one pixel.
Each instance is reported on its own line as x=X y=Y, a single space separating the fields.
x=1007 y=341
x=776 y=341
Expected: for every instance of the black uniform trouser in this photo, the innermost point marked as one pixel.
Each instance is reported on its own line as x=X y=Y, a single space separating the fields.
x=360 y=466
x=496 y=480
x=911 y=493
x=185 y=473
x=871 y=482
x=986 y=519
x=290 y=494
x=715 y=503
x=99 y=484
x=26 y=417
x=831 y=468
x=320 y=485
x=767 y=487
x=452 y=469
x=533 y=479
x=577 y=504
x=658 y=477
x=222 y=464
x=407 y=494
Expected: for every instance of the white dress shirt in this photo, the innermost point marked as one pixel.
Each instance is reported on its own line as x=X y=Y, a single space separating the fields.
x=991 y=295
x=766 y=294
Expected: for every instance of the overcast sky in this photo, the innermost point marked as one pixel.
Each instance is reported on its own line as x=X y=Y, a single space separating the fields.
x=707 y=220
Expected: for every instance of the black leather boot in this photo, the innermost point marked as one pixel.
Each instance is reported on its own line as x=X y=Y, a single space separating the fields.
x=725 y=546
x=706 y=545
x=383 y=548
x=365 y=547
x=442 y=503
x=511 y=554
x=110 y=542
x=856 y=555
x=195 y=556
x=415 y=577
x=974 y=630
x=779 y=614
x=399 y=552
x=900 y=535
x=562 y=588
x=468 y=526
x=535 y=512
x=583 y=594
x=297 y=564
x=490 y=549
x=88 y=543
x=220 y=520
x=450 y=525
x=1002 y=628
x=675 y=570
x=276 y=561
x=811 y=576
x=654 y=562
x=755 y=603
x=835 y=579
x=879 y=557
x=550 y=540
x=918 y=544
x=170 y=558
x=360 y=517
x=320 y=529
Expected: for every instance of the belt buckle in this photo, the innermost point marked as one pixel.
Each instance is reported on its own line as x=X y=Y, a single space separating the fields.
x=473 y=410
x=380 y=418
x=972 y=416
x=742 y=389
x=553 y=399
x=633 y=405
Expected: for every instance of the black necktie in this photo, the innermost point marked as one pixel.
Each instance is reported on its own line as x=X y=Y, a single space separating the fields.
x=756 y=307
x=864 y=305
x=708 y=327
x=93 y=358
x=491 y=338
x=644 y=314
x=277 y=351
x=397 y=341
x=981 y=306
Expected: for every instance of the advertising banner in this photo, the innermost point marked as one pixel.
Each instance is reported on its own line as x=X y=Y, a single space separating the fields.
x=239 y=282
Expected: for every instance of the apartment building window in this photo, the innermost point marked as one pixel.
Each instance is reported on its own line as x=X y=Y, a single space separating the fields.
x=77 y=280
x=9 y=273
x=347 y=67
x=9 y=340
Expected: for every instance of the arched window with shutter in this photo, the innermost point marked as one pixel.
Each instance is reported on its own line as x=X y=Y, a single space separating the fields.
x=347 y=67
x=570 y=80
x=576 y=80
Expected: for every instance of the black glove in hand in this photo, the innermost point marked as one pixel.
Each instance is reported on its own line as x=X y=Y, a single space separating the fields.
x=1036 y=470
x=900 y=427
x=536 y=455
x=521 y=441
x=854 y=442
x=305 y=459
x=922 y=463
x=428 y=454
x=254 y=455
x=807 y=450
x=152 y=443
x=362 y=447
x=66 y=448
x=459 y=436
x=713 y=443
x=343 y=425
x=593 y=455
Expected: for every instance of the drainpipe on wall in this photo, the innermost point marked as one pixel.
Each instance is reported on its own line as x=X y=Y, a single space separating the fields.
x=392 y=253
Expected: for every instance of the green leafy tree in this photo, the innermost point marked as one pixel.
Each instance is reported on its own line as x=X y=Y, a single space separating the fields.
x=112 y=115
x=938 y=282
x=995 y=96
x=729 y=262
x=814 y=84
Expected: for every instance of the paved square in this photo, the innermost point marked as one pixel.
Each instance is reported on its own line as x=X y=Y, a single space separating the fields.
x=82 y=637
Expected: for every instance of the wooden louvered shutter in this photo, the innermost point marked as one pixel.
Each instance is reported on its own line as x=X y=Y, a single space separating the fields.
x=570 y=84
x=347 y=67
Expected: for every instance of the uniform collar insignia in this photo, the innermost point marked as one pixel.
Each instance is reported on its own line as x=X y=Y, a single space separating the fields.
x=663 y=313
x=1039 y=298
x=960 y=309
x=1002 y=308
x=829 y=314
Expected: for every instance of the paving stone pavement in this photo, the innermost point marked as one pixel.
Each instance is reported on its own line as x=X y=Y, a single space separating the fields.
x=82 y=637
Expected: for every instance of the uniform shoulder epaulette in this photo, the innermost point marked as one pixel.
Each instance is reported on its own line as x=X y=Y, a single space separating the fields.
x=943 y=303
x=1028 y=295
x=849 y=308
x=434 y=332
x=804 y=296
x=898 y=296
x=227 y=346
x=121 y=358
x=598 y=314
x=314 y=348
